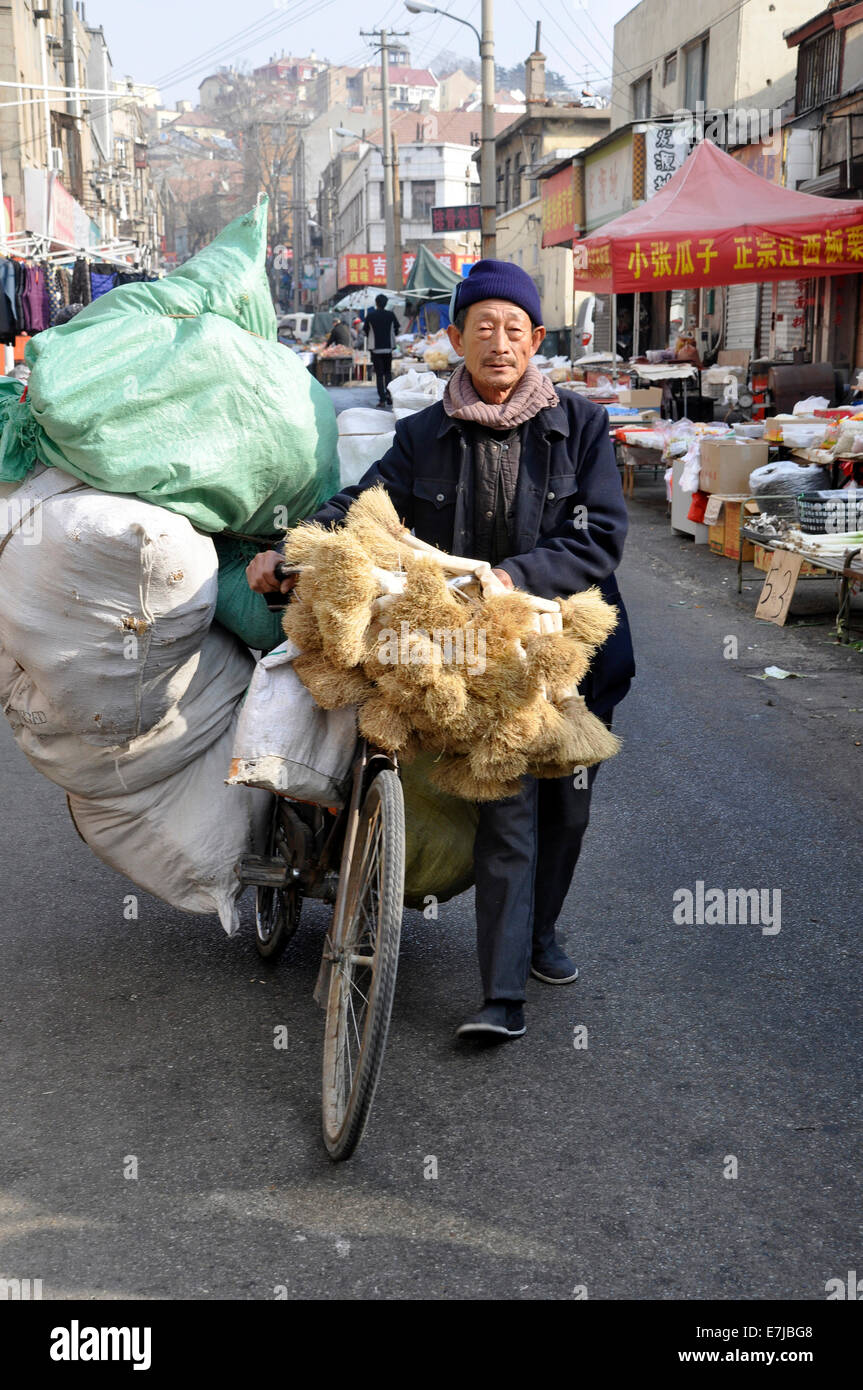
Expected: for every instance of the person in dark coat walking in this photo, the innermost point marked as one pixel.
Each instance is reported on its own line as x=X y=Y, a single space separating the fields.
x=381 y=327
x=508 y=470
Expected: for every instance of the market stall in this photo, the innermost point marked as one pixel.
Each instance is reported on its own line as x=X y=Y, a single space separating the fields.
x=717 y=223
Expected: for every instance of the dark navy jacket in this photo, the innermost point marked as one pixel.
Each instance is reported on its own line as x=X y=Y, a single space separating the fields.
x=570 y=517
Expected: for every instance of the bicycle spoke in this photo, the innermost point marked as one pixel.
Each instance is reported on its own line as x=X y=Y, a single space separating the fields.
x=354 y=1018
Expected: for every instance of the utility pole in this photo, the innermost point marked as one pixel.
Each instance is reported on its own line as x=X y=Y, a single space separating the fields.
x=301 y=216
x=397 y=216
x=383 y=37
x=488 y=182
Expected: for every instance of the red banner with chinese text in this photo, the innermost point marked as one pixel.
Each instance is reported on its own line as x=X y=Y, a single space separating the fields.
x=363 y=268
x=370 y=267
x=739 y=257
x=558 y=208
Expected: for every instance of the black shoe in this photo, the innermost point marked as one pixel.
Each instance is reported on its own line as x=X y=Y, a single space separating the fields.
x=382 y=405
x=501 y=1018
x=553 y=966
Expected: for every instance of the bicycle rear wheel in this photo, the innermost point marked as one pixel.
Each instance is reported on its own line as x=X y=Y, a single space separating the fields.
x=363 y=967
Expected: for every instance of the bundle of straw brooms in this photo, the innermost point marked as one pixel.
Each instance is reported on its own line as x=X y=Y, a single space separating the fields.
x=438 y=654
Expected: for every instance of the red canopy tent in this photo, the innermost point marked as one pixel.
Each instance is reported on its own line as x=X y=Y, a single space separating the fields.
x=717 y=223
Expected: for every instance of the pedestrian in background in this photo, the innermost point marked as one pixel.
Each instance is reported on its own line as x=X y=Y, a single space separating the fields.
x=381 y=327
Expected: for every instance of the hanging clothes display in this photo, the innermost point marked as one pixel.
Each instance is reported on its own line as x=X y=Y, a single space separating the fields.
x=33 y=300
x=102 y=279
x=80 y=289
x=55 y=299
x=8 y=315
x=34 y=292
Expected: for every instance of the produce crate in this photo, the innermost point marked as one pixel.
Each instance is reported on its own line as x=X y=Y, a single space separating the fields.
x=831 y=510
x=334 y=371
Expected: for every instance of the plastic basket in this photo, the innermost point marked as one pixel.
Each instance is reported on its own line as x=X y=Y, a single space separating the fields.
x=831 y=511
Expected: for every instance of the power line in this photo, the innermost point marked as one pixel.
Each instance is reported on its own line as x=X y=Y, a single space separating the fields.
x=123 y=101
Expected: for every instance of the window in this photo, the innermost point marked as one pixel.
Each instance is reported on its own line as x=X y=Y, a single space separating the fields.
x=422 y=200
x=534 y=155
x=669 y=69
x=518 y=187
x=507 y=184
x=695 y=61
x=641 y=98
x=819 y=65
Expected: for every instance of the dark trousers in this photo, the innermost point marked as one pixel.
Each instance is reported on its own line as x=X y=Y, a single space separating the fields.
x=525 y=853
x=383 y=372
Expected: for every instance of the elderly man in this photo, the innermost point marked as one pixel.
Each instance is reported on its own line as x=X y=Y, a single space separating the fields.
x=506 y=470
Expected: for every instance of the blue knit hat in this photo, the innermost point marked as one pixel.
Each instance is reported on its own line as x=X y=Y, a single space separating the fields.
x=498 y=280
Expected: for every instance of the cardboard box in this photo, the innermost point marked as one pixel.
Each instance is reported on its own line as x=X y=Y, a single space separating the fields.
x=726 y=465
x=762 y=558
x=650 y=398
x=723 y=518
x=733 y=357
x=732 y=534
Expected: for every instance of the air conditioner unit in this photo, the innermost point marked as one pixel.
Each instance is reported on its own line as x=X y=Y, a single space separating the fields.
x=55 y=159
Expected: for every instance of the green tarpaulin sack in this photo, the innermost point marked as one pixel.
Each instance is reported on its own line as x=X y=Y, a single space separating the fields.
x=178 y=391
x=439 y=836
x=241 y=611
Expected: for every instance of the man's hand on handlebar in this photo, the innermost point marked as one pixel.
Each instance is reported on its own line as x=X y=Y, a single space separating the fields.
x=262 y=577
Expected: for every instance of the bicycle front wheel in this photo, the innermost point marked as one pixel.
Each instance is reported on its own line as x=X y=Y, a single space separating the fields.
x=363 y=967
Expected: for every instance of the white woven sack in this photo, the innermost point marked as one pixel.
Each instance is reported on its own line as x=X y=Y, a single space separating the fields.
x=181 y=838
x=104 y=602
x=286 y=743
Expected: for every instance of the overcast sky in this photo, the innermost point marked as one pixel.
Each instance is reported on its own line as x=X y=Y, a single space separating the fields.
x=176 y=43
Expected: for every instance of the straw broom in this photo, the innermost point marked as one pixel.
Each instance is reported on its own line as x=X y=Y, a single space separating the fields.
x=517 y=711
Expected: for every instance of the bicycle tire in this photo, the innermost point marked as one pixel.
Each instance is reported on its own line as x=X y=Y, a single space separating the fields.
x=277 y=910
x=376 y=882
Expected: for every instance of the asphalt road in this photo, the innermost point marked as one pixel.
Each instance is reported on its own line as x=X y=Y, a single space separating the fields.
x=558 y=1168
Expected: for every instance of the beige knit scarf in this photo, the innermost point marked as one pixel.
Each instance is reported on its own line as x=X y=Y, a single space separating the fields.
x=533 y=393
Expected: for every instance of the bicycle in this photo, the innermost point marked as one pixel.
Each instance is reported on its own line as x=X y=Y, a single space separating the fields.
x=354 y=858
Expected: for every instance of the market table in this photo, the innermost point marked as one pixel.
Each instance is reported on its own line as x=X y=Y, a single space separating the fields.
x=848 y=568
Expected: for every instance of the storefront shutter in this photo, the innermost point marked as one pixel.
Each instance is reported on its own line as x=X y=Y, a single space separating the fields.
x=741 y=316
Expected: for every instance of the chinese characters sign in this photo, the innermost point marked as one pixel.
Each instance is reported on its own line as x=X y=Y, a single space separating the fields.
x=559 y=217
x=608 y=184
x=363 y=268
x=665 y=151
x=763 y=159
x=370 y=267
x=729 y=258
x=457 y=219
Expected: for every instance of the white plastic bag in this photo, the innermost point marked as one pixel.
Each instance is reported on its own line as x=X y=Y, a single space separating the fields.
x=104 y=602
x=286 y=743
x=188 y=730
x=415 y=391
x=811 y=404
x=364 y=437
x=181 y=838
x=690 y=478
